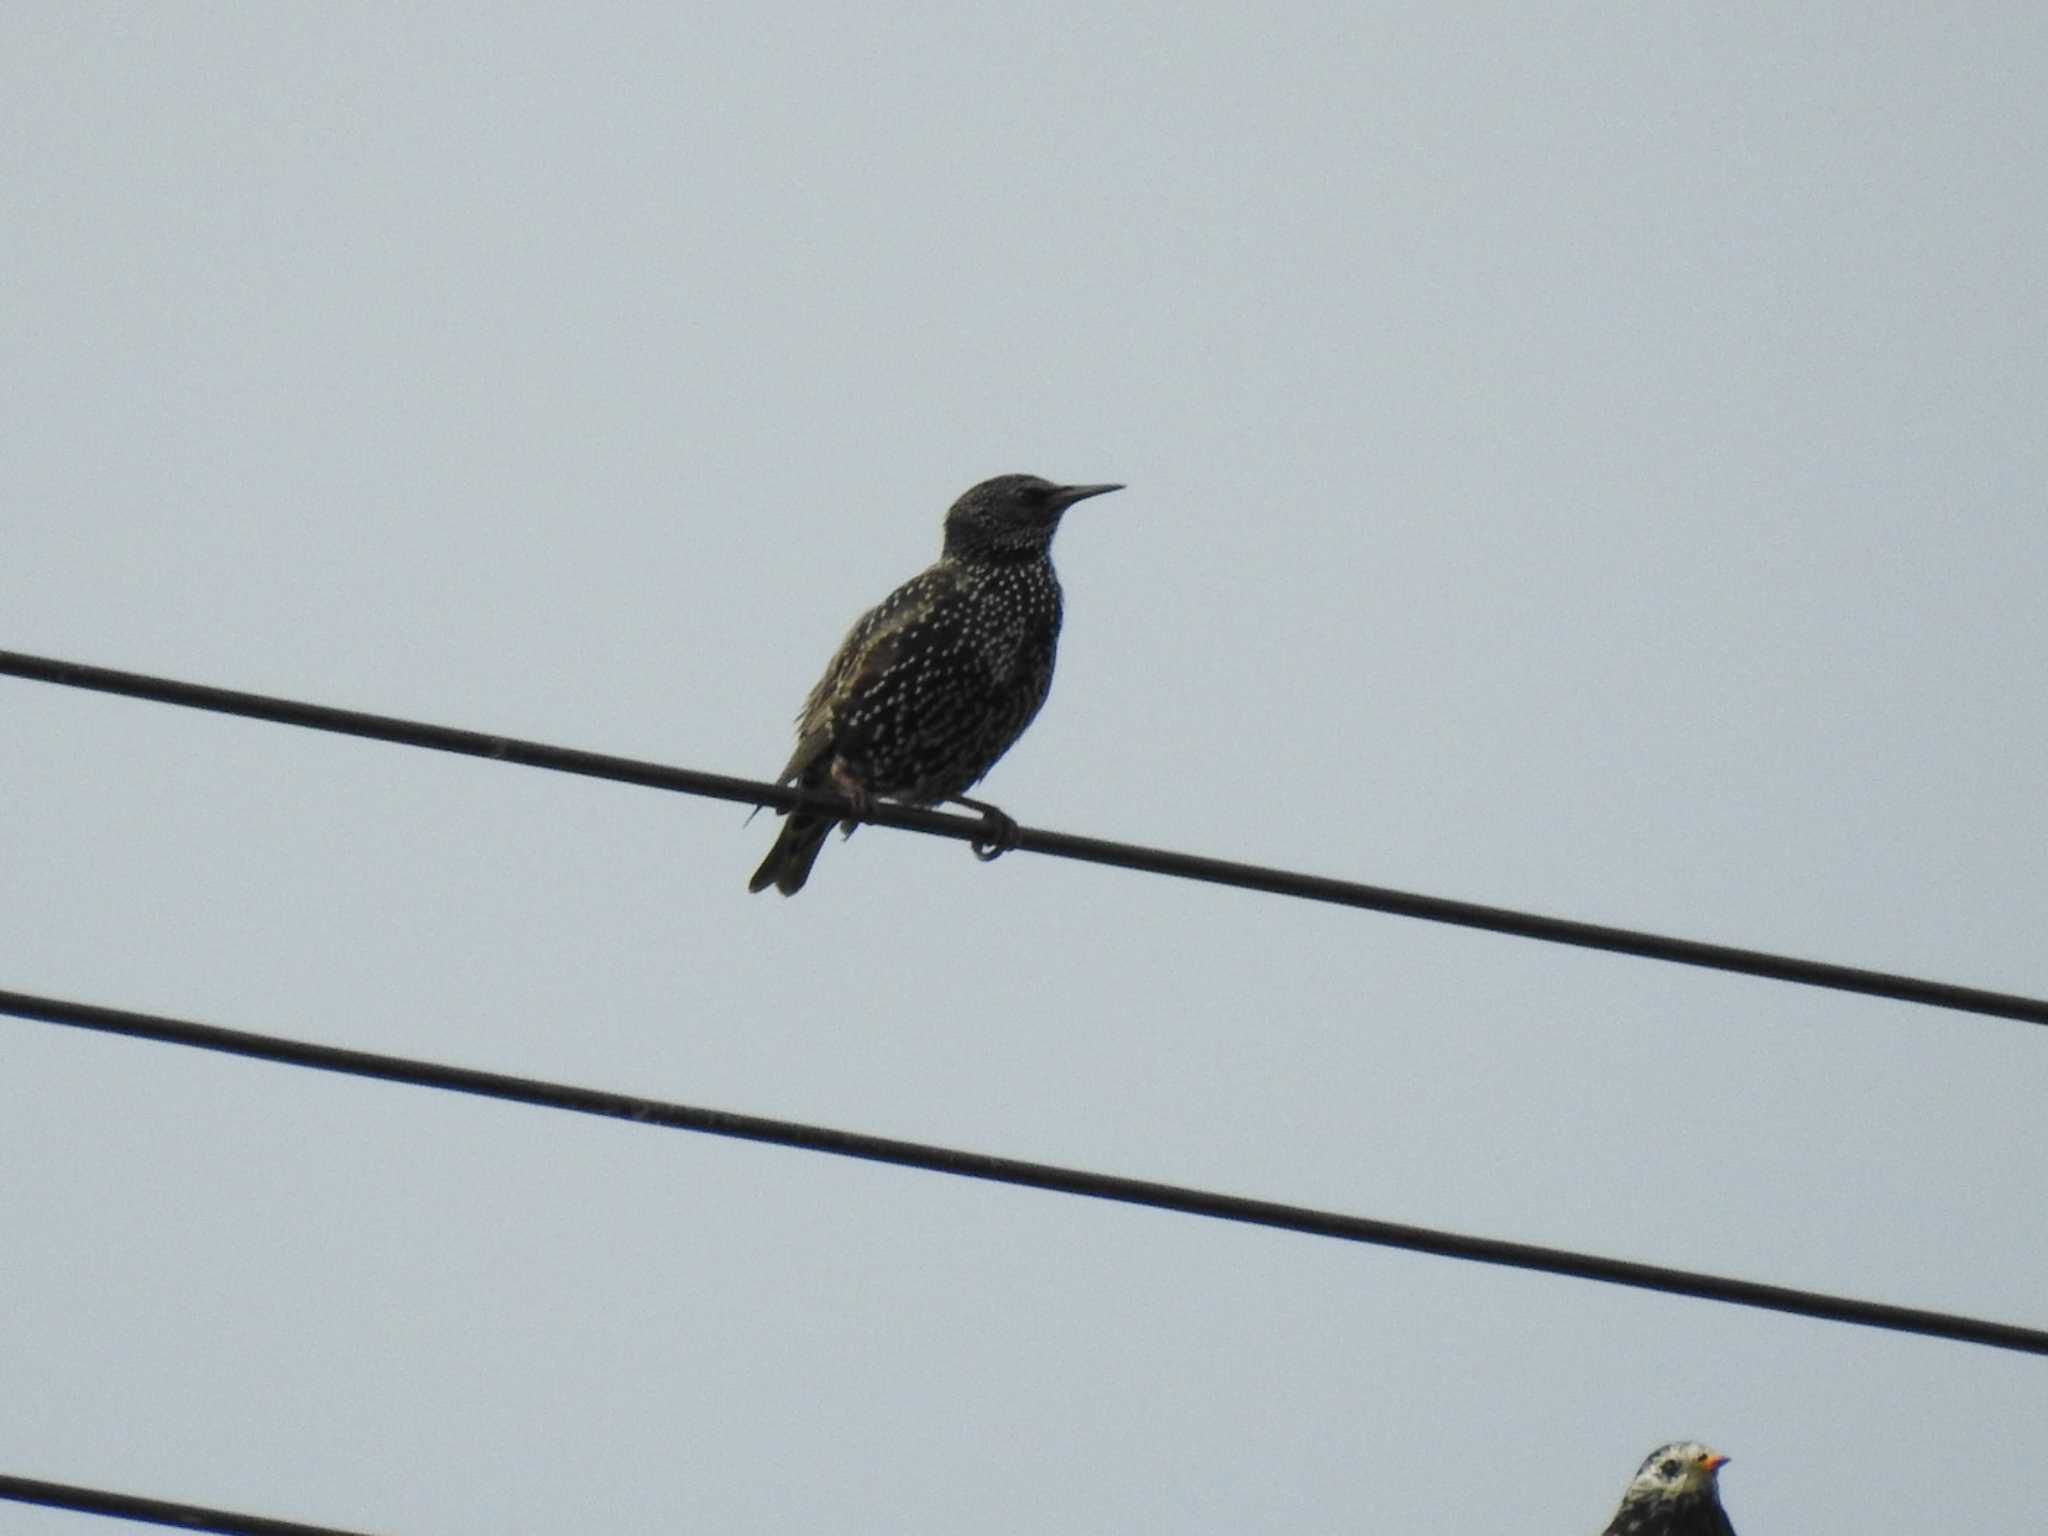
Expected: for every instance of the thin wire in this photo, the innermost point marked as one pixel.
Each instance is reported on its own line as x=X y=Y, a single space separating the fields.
x=129 y=1506
x=1004 y=1170
x=1158 y=861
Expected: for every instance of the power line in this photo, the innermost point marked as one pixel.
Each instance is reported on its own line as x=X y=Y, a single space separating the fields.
x=1004 y=1170
x=129 y=1506
x=1158 y=861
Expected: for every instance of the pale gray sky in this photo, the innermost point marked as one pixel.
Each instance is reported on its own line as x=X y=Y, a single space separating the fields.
x=1588 y=461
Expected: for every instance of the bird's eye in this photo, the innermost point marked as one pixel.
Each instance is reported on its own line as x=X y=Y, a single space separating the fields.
x=1669 y=1469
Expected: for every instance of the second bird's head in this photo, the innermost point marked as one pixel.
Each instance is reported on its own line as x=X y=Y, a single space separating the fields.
x=1012 y=515
x=1673 y=1491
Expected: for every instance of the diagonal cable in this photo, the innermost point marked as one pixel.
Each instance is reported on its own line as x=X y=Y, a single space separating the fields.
x=146 y=1511
x=1045 y=1176
x=1158 y=861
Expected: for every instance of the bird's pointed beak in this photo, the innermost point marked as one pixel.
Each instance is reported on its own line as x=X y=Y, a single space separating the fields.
x=1067 y=495
x=1715 y=1462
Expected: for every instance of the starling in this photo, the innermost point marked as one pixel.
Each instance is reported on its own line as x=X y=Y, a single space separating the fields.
x=936 y=683
x=1674 y=1494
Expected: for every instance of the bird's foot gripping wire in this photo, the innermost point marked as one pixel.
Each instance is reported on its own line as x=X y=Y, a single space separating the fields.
x=855 y=791
x=1001 y=834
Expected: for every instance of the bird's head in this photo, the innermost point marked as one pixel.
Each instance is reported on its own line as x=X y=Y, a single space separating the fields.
x=1682 y=1469
x=1012 y=516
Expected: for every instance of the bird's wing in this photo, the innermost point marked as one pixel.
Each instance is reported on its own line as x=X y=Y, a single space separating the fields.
x=865 y=654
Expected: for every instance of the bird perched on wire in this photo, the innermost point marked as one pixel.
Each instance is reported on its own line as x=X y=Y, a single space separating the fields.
x=1675 y=1492
x=938 y=681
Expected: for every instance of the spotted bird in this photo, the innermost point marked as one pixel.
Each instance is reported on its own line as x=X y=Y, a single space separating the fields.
x=933 y=685
x=1676 y=1492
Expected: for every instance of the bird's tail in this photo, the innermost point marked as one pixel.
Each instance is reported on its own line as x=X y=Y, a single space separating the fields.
x=789 y=862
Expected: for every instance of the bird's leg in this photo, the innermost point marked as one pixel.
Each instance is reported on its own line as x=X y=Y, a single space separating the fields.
x=855 y=791
x=1001 y=836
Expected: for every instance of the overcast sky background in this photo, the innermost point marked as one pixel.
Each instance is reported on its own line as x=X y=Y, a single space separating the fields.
x=1588 y=461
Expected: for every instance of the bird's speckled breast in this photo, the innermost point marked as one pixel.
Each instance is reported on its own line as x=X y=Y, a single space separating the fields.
x=1015 y=625
x=966 y=676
